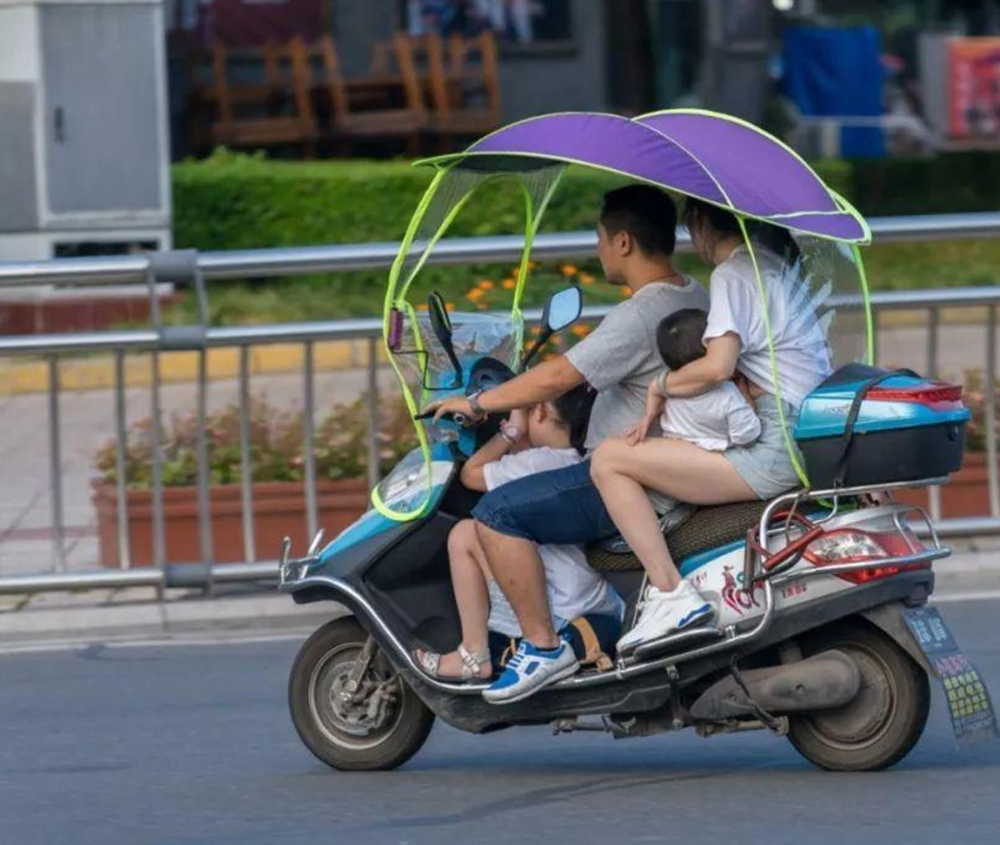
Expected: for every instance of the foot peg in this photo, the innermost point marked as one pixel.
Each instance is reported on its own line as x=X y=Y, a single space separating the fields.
x=675 y=642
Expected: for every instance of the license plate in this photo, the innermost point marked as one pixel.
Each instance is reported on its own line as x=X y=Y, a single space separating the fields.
x=972 y=716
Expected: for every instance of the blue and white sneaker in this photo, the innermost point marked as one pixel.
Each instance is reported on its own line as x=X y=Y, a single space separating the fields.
x=529 y=670
x=662 y=613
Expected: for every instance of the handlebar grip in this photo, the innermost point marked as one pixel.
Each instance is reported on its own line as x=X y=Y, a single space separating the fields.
x=460 y=419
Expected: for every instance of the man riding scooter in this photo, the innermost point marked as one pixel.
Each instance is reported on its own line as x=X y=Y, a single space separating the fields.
x=619 y=359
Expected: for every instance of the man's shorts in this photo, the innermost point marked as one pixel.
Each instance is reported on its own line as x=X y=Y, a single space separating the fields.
x=559 y=506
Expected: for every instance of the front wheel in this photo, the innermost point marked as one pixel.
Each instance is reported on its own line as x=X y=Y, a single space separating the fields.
x=380 y=726
x=883 y=722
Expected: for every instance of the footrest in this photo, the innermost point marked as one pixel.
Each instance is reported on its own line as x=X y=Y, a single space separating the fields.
x=674 y=643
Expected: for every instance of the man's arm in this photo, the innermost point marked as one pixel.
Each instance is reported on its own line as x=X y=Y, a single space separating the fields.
x=549 y=380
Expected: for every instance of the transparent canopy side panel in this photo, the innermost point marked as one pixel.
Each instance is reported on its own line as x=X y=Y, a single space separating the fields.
x=815 y=314
x=425 y=371
x=832 y=273
x=814 y=291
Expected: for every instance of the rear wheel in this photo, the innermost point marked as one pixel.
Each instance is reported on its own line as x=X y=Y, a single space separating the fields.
x=880 y=725
x=380 y=726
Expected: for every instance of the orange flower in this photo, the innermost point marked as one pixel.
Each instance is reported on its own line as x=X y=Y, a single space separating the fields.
x=581 y=331
x=626 y=291
x=485 y=284
x=449 y=306
x=586 y=278
x=568 y=270
x=474 y=295
x=422 y=306
x=509 y=284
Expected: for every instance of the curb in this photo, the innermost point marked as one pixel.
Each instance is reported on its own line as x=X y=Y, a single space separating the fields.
x=254 y=613
x=22 y=377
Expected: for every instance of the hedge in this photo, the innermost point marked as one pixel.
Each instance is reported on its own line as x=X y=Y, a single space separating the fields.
x=233 y=201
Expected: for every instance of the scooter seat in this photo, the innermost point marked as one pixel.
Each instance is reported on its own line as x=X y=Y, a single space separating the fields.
x=706 y=528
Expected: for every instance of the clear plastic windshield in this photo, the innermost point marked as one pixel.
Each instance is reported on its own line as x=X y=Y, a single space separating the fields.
x=429 y=371
x=815 y=312
x=424 y=370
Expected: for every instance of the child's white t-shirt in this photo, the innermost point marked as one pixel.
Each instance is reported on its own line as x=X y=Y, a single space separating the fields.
x=573 y=588
x=715 y=420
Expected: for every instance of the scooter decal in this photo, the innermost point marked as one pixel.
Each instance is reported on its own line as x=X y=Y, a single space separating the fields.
x=972 y=716
x=735 y=596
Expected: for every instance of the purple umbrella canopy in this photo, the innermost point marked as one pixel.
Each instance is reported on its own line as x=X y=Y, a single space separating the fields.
x=707 y=155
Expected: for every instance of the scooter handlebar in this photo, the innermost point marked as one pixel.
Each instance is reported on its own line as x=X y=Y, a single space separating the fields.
x=459 y=419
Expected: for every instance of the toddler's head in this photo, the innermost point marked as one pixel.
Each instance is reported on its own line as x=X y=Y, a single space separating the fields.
x=562 y=423
x=679 y=337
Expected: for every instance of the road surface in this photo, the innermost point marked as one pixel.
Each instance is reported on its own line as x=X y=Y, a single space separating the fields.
x=190 y=742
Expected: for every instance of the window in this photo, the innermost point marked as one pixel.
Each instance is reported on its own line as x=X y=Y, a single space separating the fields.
x=512 y=21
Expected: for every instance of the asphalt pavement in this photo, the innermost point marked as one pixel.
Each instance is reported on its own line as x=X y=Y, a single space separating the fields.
x=189 y=741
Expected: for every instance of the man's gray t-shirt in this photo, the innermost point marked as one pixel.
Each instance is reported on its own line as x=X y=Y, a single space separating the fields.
x=620 y=357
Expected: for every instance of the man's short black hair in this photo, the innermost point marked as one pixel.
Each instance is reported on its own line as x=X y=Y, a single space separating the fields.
x=646 y=213
x=679 y=337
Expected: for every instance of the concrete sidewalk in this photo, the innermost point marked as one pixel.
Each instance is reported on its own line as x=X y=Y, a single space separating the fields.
x=99 y=615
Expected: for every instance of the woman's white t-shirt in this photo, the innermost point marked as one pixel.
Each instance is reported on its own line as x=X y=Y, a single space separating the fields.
x=573 y=588
x=800 y=345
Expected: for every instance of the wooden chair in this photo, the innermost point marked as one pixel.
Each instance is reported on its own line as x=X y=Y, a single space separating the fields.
x=463 y=82
x=277 y=112
x=406 y=118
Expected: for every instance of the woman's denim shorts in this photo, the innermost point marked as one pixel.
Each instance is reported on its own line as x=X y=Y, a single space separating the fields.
x=765 y=464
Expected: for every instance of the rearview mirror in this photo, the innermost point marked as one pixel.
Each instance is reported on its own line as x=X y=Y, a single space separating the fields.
x=441 y=325
x=562 y=309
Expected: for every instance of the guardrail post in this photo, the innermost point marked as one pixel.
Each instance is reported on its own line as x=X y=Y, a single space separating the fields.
x=990 y=395
x=308 y=422
x=121 y=463
x=246 y=468
x=181 y=267
x=933 y=326
x=55 y=466
x=373 y=420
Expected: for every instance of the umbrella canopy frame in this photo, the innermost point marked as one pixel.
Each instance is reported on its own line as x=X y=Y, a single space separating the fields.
x=722 y=167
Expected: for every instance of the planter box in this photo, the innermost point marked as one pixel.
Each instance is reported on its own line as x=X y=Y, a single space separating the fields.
x=965 y=494
x=279 y=511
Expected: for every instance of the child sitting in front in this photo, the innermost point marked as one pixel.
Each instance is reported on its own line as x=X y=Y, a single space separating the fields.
x=546 y=436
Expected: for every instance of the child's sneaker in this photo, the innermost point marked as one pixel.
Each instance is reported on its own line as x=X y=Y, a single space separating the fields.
x=529 y=670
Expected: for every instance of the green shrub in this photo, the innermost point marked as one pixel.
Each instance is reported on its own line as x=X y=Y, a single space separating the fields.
x=233 y=201
x=276 y=445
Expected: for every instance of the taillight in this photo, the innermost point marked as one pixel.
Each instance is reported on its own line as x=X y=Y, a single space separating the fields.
x=852 y=545
x=931 y=394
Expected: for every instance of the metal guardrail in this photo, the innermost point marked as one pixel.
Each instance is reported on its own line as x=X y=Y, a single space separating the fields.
x=96 y=272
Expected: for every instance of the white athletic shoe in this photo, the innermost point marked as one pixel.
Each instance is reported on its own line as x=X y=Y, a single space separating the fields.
x=662 y=613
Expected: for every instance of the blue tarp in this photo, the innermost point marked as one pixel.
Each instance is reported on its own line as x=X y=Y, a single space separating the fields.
x=831 y=72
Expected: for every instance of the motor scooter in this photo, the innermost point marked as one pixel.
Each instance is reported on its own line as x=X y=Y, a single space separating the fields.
x=822 y=633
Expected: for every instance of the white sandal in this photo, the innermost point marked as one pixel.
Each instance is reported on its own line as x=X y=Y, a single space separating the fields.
x=471 y=663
